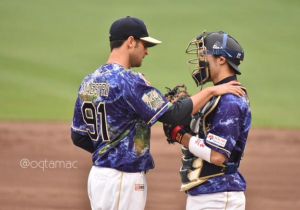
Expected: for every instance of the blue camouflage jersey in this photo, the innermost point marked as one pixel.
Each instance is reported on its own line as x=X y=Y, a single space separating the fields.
x=228 y=129
x=116 y=108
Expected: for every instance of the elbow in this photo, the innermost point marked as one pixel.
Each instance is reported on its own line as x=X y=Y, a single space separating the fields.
x=75 y=139
x=218 y=159
x=84 y=142
x=75 y=142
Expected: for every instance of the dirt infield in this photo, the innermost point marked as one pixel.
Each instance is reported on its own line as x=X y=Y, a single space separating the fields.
x=57 y=175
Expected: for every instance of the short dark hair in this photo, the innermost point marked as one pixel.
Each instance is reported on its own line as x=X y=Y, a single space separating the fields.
x=116 y=44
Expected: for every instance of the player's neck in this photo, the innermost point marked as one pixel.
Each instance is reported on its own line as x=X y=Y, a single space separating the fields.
x=118 y=57
x=222 y=74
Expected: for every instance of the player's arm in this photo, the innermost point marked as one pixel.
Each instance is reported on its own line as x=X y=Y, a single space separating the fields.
x=221 y=138
x=199 y=149
x=82 y=141
x=202 y=97
x=181 y=111
x=80 y=138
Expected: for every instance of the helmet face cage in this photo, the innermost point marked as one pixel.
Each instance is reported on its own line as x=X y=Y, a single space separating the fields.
x=200 y=65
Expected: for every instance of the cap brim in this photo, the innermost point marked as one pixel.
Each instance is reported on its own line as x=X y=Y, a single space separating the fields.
x=234 y=66
x=150 y=41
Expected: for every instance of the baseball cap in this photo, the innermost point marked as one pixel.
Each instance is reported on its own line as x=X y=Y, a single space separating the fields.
x=122 y=28
x=222 y=44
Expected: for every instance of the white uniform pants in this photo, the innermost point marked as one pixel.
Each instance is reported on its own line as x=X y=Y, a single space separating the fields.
x=110 y=189
x=217 y=201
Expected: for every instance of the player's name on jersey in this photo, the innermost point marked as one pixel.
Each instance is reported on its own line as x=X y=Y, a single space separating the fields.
x=92 y=90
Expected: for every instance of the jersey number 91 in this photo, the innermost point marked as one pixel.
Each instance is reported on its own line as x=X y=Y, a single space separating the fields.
x=90 y=116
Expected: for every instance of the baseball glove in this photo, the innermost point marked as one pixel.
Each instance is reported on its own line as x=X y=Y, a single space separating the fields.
x=177 y=93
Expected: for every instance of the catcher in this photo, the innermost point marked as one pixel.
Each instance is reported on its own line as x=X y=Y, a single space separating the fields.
x=215 y=138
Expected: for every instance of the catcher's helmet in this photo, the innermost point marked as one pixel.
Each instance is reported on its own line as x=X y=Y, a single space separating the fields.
x=217 y=44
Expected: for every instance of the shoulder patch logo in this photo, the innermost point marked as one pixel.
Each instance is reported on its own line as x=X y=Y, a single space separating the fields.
x=153 y=100
x=216 y=140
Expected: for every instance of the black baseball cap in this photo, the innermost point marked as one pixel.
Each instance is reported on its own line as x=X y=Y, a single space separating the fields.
x=122 y=28
x=222 y=44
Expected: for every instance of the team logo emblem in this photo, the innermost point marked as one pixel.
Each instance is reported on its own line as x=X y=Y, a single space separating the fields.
x=153 y=100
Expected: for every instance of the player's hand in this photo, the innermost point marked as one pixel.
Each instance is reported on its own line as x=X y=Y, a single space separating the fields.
x=233 y=87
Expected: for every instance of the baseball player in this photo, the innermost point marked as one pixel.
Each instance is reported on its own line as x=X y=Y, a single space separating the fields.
x=211 y=156
x=113 y=114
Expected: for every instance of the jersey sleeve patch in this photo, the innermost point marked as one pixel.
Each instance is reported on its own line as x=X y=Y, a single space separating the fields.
x=216 y=140
x=153 y=100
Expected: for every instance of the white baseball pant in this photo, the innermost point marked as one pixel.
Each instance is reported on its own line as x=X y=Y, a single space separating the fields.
x=217 y=201
x=110 y=189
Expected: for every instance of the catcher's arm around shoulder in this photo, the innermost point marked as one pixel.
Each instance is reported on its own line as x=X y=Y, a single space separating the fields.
x=202 y=97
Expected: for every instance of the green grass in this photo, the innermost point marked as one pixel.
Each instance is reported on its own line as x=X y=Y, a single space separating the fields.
x=47 y=47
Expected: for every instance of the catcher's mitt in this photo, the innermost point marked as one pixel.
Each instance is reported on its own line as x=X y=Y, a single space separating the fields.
x=179 y=92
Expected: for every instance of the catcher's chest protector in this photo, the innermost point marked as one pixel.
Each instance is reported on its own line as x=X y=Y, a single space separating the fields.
x=194 y=170
x=199 y=123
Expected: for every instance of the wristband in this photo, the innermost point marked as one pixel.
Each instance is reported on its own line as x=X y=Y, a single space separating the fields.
x=177 y=133
x=199 y=149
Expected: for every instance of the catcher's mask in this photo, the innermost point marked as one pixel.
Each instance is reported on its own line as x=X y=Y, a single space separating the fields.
x=216 y=44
